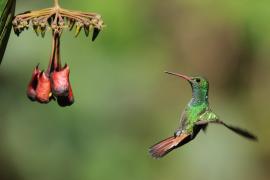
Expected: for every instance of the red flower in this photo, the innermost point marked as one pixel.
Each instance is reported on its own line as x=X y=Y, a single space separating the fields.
x=32 y=86
x=61 y=87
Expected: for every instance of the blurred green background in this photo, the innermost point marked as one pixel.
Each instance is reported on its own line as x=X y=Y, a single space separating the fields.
x=124 y=103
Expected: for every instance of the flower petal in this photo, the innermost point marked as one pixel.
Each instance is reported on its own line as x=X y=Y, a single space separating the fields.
x=66 y=100
x=60 y=81
x=43 y=91
x=31 y=89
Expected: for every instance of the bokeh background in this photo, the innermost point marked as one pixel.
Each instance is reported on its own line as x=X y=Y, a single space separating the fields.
x=124 y=101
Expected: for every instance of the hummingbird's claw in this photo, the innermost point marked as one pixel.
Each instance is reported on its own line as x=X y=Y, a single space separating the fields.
x=177 y=133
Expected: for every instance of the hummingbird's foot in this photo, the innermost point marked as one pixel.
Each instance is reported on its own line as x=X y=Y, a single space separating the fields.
x=177 y=133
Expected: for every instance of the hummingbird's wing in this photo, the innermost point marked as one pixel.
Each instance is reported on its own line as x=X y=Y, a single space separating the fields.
x=237 y=130
x=167 y=145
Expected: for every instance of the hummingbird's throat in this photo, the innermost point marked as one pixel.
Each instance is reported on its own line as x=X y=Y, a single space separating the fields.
x=199 y=96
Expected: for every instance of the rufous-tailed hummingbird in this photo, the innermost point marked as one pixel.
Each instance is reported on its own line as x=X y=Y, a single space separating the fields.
x=195 y=117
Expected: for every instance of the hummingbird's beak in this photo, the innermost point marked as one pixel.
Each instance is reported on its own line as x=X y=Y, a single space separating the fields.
x=180 y=75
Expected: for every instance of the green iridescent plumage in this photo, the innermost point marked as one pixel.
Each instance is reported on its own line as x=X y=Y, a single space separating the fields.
x=196 y=116
x=198 y=107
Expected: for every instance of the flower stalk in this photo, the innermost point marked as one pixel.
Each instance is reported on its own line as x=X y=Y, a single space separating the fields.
x=56 y=3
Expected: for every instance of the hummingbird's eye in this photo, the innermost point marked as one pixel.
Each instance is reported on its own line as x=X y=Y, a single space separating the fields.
x=198 y=80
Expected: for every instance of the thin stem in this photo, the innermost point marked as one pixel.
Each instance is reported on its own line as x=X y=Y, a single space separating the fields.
x=56 y=3
x=55 y=61
x=50 y=68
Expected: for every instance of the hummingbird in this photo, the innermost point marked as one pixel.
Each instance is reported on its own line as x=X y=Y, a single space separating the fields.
x=196 y=116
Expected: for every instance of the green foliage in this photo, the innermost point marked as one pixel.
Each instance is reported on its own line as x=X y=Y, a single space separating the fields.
x=7 y=9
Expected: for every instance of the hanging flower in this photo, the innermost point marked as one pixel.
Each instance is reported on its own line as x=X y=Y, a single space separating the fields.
x=54 y=83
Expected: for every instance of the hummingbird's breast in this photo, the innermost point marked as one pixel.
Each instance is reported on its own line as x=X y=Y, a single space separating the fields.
x=191 y=115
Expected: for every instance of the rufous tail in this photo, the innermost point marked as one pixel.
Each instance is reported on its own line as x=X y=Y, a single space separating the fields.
x=167 y=145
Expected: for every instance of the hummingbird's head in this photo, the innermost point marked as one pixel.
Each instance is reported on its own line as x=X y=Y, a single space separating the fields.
x=199 y=85
x=199 y=82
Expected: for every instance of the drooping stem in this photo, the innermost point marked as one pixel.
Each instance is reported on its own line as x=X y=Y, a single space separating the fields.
x=51 y=63
x=55 y=61
x=58 y=57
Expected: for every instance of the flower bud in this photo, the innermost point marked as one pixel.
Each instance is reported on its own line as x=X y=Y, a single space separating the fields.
x=79 y=26
x=43 y=28
x=71 y=24
x=95 y=33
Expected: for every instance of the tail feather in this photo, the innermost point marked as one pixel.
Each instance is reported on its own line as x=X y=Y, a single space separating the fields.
x=167 y=145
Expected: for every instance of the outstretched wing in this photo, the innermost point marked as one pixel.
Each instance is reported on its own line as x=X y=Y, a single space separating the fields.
x=237 y=130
